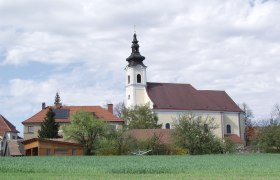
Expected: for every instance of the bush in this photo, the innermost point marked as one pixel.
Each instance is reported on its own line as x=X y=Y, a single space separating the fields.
x=229 y=146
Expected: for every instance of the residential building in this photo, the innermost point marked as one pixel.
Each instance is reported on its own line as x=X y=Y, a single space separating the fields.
x=171 y=100
x=7 y=132
x=62 y=116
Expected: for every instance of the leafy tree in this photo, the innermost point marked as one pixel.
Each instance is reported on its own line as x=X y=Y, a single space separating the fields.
x=269 y=134
x=57 y=100
x=49 y=128
x=85 y=128
x=140 y=117
x=269 y=137
x=195 y=134
x=116 y=142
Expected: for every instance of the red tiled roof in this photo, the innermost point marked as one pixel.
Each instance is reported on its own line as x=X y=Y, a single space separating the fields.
x=234 y=138
x=186 y=97
x=97 y=110
x=164 y=135
x=6 y=126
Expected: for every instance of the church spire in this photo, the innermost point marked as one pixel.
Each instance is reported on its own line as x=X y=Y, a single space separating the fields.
x=135 y=58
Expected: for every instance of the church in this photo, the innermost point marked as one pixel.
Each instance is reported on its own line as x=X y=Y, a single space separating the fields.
x=170 y=100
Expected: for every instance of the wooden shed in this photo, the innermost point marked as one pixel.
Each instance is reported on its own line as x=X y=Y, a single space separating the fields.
x=52 y=147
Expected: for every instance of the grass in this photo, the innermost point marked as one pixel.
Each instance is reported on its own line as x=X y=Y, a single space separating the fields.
x=246 y=166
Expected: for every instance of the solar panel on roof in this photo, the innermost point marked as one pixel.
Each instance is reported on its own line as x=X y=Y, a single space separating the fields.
x=61 y=113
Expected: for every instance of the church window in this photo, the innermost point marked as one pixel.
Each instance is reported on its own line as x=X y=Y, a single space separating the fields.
x=128 y=79
x=128 y=97
x=206 y=129
x=138 y=78
x=167 y=126
x=228 y=129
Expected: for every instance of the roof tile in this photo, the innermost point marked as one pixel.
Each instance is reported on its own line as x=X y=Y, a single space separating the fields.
x=185 y=97
x=97 y=110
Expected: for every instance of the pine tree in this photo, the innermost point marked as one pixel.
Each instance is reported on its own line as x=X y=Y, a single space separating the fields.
x=57 y=100
x=49 y=128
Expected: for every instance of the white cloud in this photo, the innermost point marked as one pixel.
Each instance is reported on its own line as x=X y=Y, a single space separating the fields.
x=217 y=44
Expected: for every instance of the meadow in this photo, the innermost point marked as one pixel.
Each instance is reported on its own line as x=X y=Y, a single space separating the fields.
x=244 y=166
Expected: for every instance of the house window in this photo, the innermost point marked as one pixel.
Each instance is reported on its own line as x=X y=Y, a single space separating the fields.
x=30 y=129
x=167 y=126
x=128 y=79
x=113 y=126
x=13 y=137
x=60 y=151
x=228 y=129
x=138 y=78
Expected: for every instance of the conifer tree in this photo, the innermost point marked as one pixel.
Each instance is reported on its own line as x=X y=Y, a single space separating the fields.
x=49 y=128
x=57 y=100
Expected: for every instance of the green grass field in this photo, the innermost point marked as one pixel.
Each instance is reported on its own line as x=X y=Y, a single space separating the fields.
x=247 y=166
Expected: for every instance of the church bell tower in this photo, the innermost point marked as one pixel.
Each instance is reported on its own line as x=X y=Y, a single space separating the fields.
x=136 y=80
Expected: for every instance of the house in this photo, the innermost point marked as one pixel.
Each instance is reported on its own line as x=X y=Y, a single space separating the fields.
x=7 y=132
x=171 y=100
x=52 y=147
x=14 y=148
x=62 y=116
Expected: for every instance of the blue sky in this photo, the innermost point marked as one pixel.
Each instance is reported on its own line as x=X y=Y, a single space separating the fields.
x=79 y=49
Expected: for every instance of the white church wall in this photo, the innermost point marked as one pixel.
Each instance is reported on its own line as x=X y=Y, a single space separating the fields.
x=172 y=116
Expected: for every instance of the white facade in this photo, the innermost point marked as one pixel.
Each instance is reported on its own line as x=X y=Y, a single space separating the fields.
x=3 y=140
x=136 y=82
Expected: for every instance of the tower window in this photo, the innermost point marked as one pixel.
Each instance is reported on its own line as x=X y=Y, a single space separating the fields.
x=128 y=97
x=128 y=79
x=138 y=78
x=228 y=129
x=167 y=126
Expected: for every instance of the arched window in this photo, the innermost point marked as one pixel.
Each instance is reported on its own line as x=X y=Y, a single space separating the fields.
x=167 y=126
x=128 y=79
x=138 y=78
x=228 y=129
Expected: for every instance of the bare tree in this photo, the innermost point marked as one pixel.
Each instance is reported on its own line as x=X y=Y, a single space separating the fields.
x=248 y=114
x=119 y=109
x=275 y=113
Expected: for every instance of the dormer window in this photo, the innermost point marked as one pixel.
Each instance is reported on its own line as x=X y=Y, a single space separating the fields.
x=128 y=79
x=138 y=78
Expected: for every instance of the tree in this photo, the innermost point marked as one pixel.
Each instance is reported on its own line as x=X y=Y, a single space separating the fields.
x=49 y=128
x=85 y=128
x=269 y=137
x=195 y=134
x=57 y=100
x=119 y=109
x=248 y=115
x=140 y=117
x=269 y=134
x=275 y=113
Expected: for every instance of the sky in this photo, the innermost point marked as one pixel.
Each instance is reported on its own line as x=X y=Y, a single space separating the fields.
x=79 y=48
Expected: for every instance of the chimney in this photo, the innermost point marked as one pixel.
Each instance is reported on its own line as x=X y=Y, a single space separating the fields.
x=43 y=105
x=110 y=108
